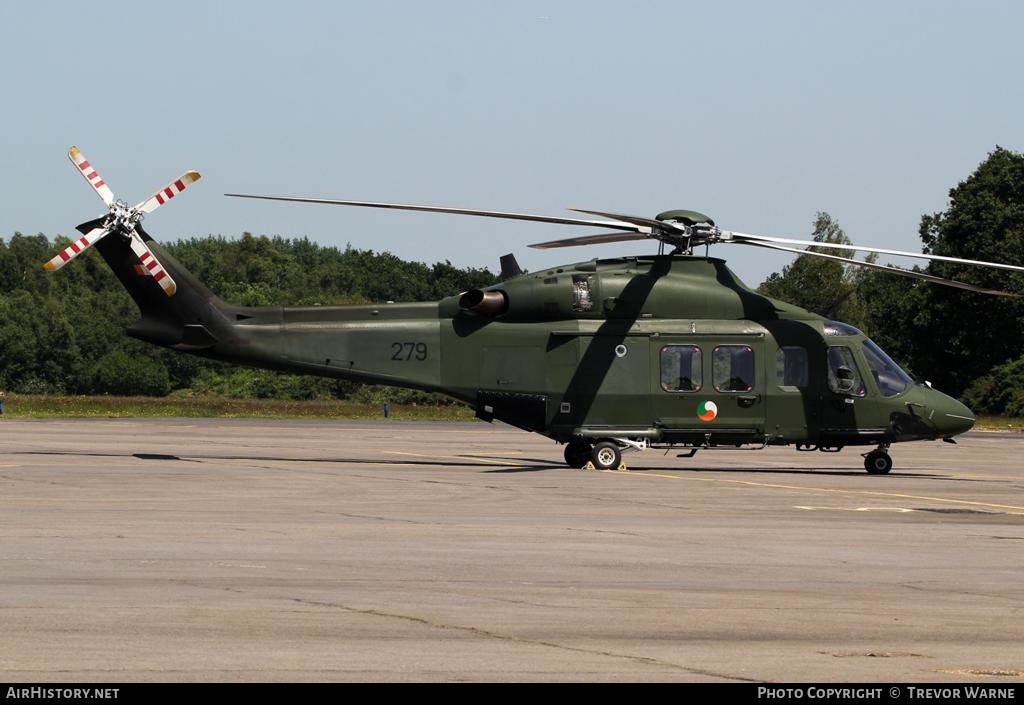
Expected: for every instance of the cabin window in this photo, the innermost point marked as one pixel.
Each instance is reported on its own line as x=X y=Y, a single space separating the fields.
x=681 y=368
x=843 y=376
x=733 y=368
x=891 y=380
x=791 y=367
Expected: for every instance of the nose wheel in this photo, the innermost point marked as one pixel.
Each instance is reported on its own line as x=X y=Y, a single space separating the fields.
x=878 y=462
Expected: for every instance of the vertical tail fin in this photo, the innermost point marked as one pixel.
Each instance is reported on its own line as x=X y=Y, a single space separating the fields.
x=193 y=319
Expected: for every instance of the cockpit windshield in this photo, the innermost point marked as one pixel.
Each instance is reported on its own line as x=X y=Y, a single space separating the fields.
x=889 y=377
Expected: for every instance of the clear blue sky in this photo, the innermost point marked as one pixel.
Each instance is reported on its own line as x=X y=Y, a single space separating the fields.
x=759 y=114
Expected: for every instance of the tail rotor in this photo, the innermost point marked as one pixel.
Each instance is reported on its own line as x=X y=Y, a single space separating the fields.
x=123 y=220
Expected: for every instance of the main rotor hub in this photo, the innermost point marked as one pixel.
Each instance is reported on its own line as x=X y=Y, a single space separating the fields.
x=685 y=217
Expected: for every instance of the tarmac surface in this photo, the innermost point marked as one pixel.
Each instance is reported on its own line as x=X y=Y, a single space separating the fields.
x=240 y=550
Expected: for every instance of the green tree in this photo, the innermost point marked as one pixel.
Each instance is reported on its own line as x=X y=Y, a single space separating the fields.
x=958 y=336
x=39 y=353
x=1001 y=391
x=821 y=285
x=892 y=305
x=20 y=263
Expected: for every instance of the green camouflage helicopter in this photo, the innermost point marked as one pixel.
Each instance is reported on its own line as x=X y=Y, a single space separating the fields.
x=665 y=351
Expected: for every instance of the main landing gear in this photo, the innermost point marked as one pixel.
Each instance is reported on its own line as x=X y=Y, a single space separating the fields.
x=605 y=455
x=577 y=453
x=878 y=462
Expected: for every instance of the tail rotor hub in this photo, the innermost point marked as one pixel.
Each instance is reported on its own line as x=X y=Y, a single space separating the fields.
x=122 y=218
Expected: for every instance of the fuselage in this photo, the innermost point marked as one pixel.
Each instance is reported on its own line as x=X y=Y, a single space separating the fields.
x=670 y=349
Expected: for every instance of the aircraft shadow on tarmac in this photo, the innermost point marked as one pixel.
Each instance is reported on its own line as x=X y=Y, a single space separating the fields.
x=546 y=464
x=832 y=472
x=516 y=465
x=192 y=458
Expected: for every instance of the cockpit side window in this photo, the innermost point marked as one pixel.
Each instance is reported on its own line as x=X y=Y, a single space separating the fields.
x=843 y=376
x=889 y=377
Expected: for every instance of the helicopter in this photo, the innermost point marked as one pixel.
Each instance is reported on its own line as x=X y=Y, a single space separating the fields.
x=661 y=351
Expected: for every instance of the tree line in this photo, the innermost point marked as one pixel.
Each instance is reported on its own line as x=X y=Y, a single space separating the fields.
x=64 y=334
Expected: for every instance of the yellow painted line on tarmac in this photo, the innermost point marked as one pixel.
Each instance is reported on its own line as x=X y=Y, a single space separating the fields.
x=898 y=510
x=1008 y=508
x=451 y=457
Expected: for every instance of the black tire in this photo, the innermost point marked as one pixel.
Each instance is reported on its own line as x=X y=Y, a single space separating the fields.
x=878 y=462
x=606 y=456
x=577 y=453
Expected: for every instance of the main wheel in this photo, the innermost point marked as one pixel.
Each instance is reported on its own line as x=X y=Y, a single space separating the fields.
x=577 y=453
x=606 y=456
x=878 y=462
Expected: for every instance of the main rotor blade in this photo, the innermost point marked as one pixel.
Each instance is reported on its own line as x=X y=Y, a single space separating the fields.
x=635 y=219
x=94 y=179
x=617 y=225
x=886 y=268
x=168 y=192
x=879 y=250
x=152 y=265
x=589 y=240
x=75 y=248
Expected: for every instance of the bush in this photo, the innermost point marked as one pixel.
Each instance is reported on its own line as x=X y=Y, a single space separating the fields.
x=120 y=374
x=1000 y=392
x=378 y=394
x=32 y=384
x=249 y=383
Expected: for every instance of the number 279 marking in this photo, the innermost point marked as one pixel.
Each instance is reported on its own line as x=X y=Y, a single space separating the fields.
x=404 y=352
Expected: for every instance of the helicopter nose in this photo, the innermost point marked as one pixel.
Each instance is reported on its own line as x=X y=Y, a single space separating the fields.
x=951 y=418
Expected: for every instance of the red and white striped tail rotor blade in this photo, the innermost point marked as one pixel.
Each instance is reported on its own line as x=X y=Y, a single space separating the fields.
x=75 y=248
x=90 y=174
x=152 y=266
x=168 y=192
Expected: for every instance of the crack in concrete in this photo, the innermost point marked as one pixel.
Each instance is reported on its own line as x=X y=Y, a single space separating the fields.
x=600 y=531
x=393 y=520
x=476 y=631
